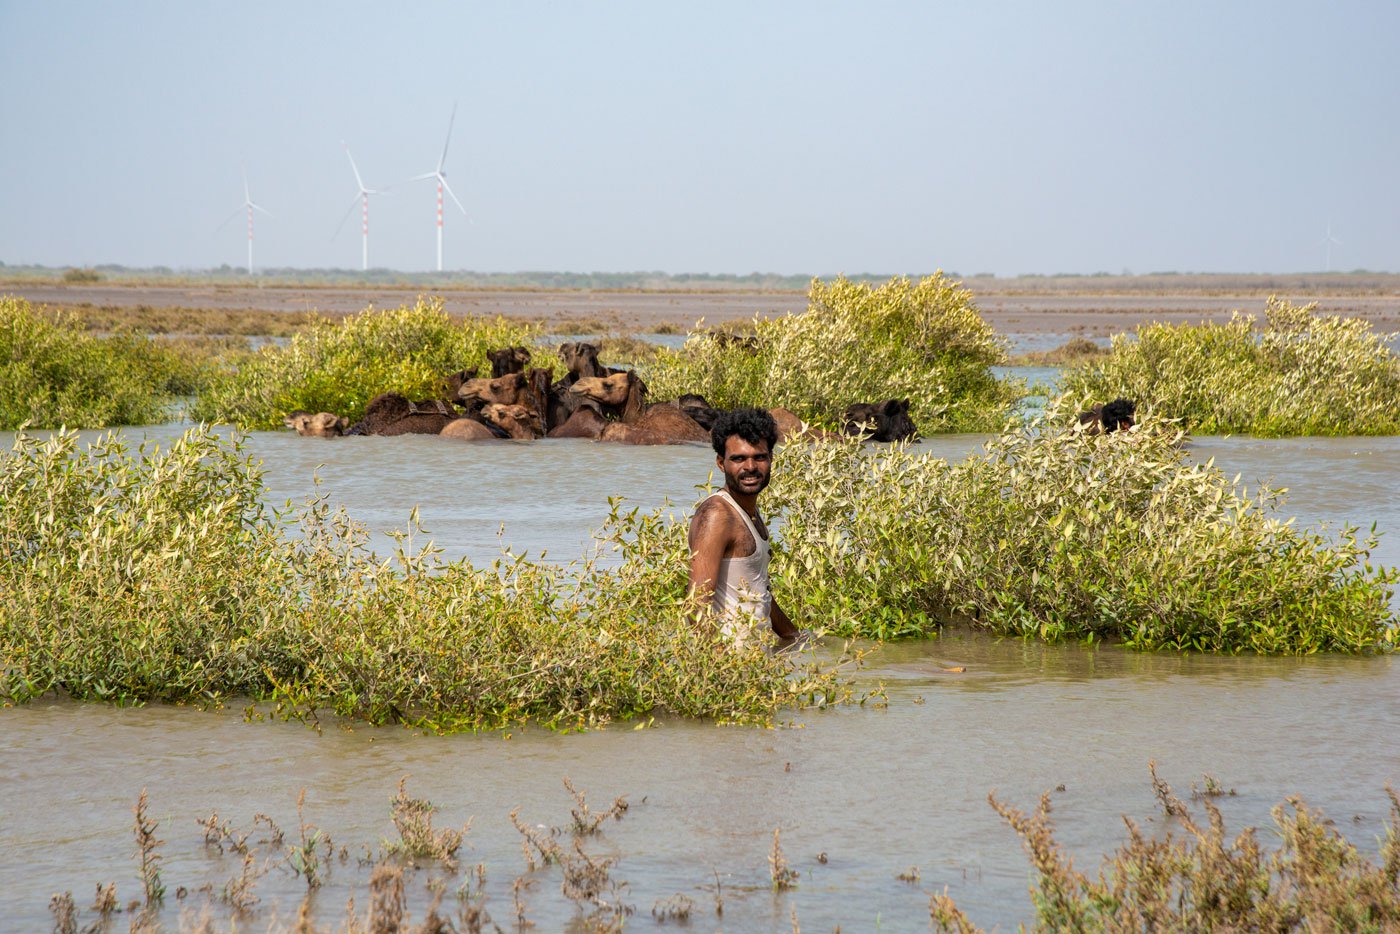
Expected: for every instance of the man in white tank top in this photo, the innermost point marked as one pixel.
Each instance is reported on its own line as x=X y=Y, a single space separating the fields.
x=729 y=548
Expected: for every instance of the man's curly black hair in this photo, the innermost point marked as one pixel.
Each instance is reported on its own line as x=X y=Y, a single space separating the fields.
x=753 y=425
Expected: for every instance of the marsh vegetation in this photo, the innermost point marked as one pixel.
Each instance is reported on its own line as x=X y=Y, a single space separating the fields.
x=1303 y=373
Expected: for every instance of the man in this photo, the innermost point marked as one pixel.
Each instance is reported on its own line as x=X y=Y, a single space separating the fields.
x=729 y=548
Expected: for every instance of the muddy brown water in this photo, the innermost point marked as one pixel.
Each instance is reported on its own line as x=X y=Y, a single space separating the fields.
x=876 y=790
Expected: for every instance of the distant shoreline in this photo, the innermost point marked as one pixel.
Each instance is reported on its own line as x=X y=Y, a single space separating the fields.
x=1090 y=306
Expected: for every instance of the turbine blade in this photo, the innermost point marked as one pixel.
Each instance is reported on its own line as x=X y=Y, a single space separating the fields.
x=454 y=197
x=353 y=167
x=419 y=178
x=259 y=207
x=237 y=211
x=244 y=169
x=345 y=217
x=450 y=121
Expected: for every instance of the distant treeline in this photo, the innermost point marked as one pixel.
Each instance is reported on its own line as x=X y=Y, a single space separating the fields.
x=1357 y=280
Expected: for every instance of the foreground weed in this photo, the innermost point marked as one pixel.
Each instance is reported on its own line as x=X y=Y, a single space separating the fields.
x=413 y=819
x=782 y=875
x=148 y=854
x=585 y=822
x=1203 y=880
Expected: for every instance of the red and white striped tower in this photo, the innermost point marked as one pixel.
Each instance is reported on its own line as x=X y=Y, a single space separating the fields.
x=441 y=178
x=249 y=207
x=439 y=222
x=362 y=197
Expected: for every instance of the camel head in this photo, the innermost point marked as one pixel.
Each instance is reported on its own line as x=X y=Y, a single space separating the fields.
x=614 y=391
x=511 y=389
x=581 y=359
x=518 y=421
x=508 y=360
x=320 y=425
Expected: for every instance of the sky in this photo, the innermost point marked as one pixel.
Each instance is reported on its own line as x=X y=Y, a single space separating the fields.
x=720 y=137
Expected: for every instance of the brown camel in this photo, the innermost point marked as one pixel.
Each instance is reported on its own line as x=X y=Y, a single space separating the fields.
x=393 y=414
x=496 y=421
x=587 y=421
x=511 y=389
x=320 y=425
x=624 y=394
x=792 y=428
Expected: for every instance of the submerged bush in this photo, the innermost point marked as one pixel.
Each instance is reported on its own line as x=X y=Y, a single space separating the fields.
x=161 y=575
x=1052 y=533
x=53 y=373
x=1304 y=374
x=338 y=366
x=922 y=341
x=1203 y=881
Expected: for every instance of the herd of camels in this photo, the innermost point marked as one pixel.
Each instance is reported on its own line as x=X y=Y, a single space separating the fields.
x=601 y=403
x=592 y=401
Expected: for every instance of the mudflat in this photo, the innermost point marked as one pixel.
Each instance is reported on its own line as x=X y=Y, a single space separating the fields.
x=1011 y=306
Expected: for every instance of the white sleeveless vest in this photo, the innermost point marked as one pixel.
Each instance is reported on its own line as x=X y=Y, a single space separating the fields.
x=742 y=597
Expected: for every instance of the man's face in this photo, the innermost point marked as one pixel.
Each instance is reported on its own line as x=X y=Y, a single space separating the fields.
x=746 y=466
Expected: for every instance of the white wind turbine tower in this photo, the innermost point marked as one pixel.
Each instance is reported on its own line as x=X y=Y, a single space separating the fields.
x=1328 y=241
x=250 y=207
x=362 y=196
x=441 y=177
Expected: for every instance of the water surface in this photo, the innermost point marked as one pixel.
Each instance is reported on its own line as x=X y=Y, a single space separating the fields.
x=878 y=790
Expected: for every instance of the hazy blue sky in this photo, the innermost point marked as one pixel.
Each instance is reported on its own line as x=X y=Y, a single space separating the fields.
x=893 y=137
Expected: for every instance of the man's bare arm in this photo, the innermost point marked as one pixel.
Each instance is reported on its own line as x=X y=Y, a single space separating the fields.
x=711 y=536
x=782 y=625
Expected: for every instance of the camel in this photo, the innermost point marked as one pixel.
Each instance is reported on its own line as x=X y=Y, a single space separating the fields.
x=519 y=422
x=508 y=360
x=393 y=414
x=320 y=425
x=881 y=421
x=699 y=408
x=582 y=361
x=793 y=428
x=1106 y=418
x=511 y=389
x=587 y=421
x=623 y=394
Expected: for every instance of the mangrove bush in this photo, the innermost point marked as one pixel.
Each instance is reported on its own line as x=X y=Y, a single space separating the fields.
x=52 y=372
x=1304 y=373
x=1052 y=533
x=160 y=574
x=338 y=366
x=922 y=341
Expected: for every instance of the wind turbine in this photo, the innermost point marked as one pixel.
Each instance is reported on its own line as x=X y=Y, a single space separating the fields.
x=1328 y=241
x=250 y=207
x=441 y=177
x=362 y=196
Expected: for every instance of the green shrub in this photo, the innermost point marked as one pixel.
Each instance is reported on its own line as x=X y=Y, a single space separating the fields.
x=1304 y=374
x=1054 y=534
x=855 y=343
x=339 y=366
x=53 y=373
x=161 y=575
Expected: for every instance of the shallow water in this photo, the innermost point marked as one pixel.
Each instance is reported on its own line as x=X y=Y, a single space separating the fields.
x=877 y=790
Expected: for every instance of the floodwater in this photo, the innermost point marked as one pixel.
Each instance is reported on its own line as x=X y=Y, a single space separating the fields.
x=878 y=790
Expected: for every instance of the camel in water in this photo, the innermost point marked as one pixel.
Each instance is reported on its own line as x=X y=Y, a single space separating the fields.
x=319 y=425
x=624 y=396
x=519 y=422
